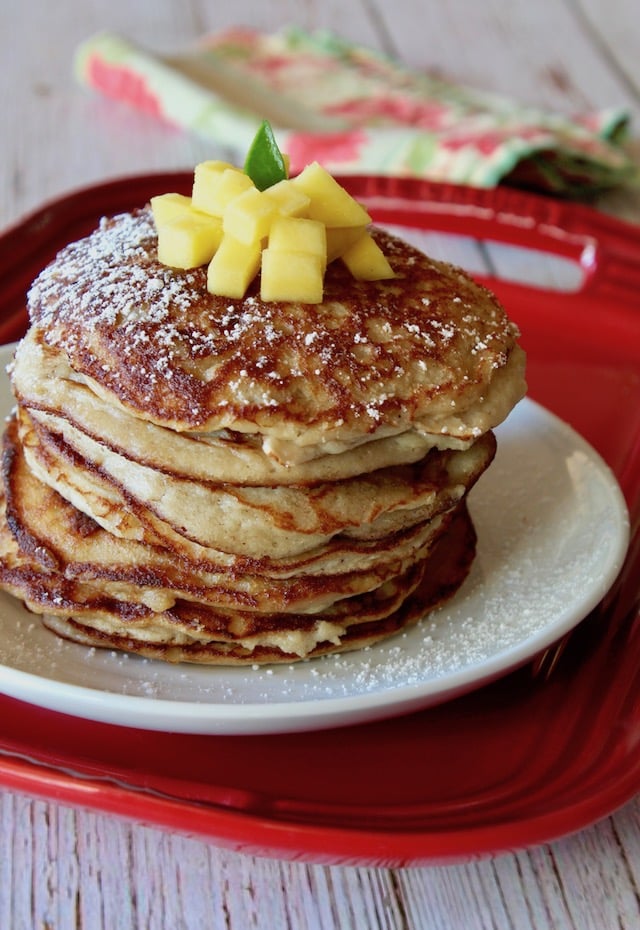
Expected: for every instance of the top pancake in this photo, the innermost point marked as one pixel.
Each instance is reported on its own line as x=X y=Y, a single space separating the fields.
x=429 y=351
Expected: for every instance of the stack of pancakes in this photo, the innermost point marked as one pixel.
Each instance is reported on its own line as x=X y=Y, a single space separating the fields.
x=195 y=478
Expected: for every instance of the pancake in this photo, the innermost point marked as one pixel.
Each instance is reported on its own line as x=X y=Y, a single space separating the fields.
x=48 y=536
x=429 y=350
x=286 y=522
x=140 y=606
x=43 y=380
x=233 y=481
x=197 y=636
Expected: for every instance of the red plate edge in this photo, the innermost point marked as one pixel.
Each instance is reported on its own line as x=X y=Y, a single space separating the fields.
x=608 y=252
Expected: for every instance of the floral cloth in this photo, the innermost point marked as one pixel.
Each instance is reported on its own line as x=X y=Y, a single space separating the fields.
x=358 y=111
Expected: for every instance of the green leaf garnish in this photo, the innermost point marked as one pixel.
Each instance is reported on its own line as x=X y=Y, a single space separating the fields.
x=265 y=163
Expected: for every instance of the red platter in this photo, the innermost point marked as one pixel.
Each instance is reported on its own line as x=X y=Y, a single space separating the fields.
x=522 y=761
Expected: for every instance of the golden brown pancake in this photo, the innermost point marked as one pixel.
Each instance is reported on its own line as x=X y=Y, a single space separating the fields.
x=285 y=522
x=429 y=350
x=355 y=624
x=53 y=537
x=150 y=606
x=200 y=479
x=43 y=380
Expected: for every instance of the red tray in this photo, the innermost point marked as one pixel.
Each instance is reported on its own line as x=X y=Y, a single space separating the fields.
x=519 y=762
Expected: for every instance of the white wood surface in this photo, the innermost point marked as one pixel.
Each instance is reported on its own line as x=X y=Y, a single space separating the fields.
x=64 y=868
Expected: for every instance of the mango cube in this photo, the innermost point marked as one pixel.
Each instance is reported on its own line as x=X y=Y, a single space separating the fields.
x=340 y=238
x=233 y=267
x=330 y=203
x=170 y=206
x=366 y=261
x=289 y=199
x=289 y=275
x=248 y=216
x=289 y=228
x=298 y=234
x=215 y=184
x=206 y=175
x=188 y=241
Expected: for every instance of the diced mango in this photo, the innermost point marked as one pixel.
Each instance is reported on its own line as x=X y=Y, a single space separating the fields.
x=206 y=176
x=340 y=238
x=170 y=206
x=298 y=234
x=330 y=202
x=240 y=221
x=233 y=267
x=289 y=199
x=290 y=275
x=248 y=216
x=188 y=241
x=366 y=261
x=215 y=184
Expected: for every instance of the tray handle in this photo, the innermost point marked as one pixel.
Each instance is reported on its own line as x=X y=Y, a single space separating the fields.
x=606 y=248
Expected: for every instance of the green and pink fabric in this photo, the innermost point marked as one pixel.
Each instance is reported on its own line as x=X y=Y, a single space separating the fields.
x=358 y=111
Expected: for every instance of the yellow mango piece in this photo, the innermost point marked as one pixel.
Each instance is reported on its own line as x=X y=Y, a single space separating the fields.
x=215 y=184
x=289 y=199
x=170 y=206
x=298 y=234
x=291 y=276
x=366 y=261
x=330 y=202
x=188 y=241
x=248 y=216
x=206 y=175
x=233 y=267
x=340 y=238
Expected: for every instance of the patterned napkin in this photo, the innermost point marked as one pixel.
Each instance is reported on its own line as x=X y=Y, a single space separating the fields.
x=358 y=111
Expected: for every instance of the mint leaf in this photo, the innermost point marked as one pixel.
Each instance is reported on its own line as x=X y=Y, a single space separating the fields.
x=265 y=163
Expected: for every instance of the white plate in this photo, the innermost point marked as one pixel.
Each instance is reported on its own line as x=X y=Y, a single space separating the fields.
x=553 y=531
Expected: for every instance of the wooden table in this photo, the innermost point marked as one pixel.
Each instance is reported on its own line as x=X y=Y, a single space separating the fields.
x=63 y=867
